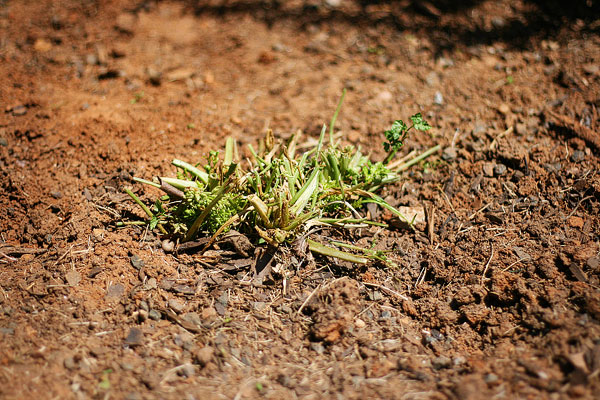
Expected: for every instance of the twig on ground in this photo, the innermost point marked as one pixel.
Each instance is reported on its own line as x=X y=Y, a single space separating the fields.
x=487 y=264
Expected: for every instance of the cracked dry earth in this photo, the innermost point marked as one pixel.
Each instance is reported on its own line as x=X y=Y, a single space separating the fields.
x=497 y=291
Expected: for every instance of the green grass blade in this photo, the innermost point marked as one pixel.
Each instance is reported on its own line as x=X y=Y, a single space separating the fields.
x=146 y=182
x=305 y=194
x=331 y=252
x=334 y=118
x=202 y=175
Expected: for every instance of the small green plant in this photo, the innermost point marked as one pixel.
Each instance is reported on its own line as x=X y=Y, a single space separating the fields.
x=281 y=193
x=398 y=133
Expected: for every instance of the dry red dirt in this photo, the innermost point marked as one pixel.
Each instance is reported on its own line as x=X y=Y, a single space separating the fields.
x=498 y=297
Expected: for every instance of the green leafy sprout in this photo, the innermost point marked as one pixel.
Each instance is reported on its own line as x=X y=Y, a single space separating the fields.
x=398 y=133
x=280 y=193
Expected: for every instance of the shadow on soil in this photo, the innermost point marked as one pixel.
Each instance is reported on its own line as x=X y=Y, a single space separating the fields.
x=533 y=19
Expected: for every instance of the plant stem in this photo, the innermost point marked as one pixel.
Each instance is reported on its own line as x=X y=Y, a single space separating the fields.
x=419 y=158
x=203 y=176
x=331 y=252
x=143 y=206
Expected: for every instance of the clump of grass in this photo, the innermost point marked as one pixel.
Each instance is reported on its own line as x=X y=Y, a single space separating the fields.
x=278 y=194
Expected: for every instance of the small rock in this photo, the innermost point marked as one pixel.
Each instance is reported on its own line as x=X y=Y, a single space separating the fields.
x=521 y=129
x=459 y=360
x=73 y=278
x=193 y=318
x=115 y=292
x=91 y=59
x=317 y=347
x=7 y=331
x=208 y=313
x=150 y=284
x=499 y=169
x=17 y=111
x=204 y=355
x=69 y=363
x=504 y=108
x=186 y=370
x=375 y=295
x=97 y=234
x=517 y=176
x=359 y=323
x=385 y=96
x=577 y=156
x=154 y=315
x=57 y=195
x=498 y=22
x=432 y=79
x=144 y=306
x=167 y=284
x=168 y=246
x=488 y=169
x=385 y=315
x=136 y=261
x=42 y=45
x=94 y=272
x=448 y=154
x=177 y=305
x=441 y=362
x=438 y=98
x=135 y=337
x=491 y=378
x=259 y=305
x=593 y=263
x=3 y=142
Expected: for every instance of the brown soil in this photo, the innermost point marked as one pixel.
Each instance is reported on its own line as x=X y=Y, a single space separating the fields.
x=497 y=296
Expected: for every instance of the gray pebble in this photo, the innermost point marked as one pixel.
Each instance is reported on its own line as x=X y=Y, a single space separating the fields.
x=491 y=378
x=144 y=306
x=577 y=156
x=115 y=292
x=375 y=295
x=449 y=154
x=459 y=360
x=517 y=176
x=317 y=347
x=154 y=315
x=7 y=331
x=593 y=263
x=441 y=362
x=187 y=370
x=136 y=261
x=3 y=142
x=176 y=305
x=438 y=98
x=135 y=337
x=500 y=169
